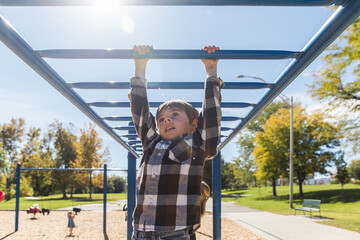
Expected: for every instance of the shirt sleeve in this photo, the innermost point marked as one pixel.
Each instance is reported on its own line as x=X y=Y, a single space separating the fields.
x=144 y=121
x=209 y=121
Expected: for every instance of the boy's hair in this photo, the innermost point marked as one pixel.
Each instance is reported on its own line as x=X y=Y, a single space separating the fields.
x=181 y=105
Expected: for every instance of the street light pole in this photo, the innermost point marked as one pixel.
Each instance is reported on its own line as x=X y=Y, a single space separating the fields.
x=291 y=175
x=291 y=160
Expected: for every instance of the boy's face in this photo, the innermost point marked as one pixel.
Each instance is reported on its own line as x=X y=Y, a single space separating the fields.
x=174 y=122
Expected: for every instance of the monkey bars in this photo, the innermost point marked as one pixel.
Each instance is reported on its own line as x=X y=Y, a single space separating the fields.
x=347 y=12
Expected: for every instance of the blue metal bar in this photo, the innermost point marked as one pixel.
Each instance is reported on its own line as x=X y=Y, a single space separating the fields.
x=127 y=128
x=335 y=25
x=72 y=169
x=230 y=118
x=136 y=146
x=168 y=85
x=133 y=141
x=22 y=49
x=131 y=189
x=216 y=184
x=115 y=118
x=105 y=195
x=17 y=204
x=133 y=135
x=165 y=54
x=172 y=2
x=157 y=104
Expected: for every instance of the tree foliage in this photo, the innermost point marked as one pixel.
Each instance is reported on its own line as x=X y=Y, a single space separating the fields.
x=331 y=83
x=31 y=157
x=354 y=168
x=338 y=81
x=342 y=173
x=90 y=154
x=245 y=165
x=59 y=147
x=11 y=137
x=313 y=139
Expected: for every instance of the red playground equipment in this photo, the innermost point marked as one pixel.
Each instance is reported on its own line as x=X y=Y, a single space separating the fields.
x=34 y=209
x=2 y=195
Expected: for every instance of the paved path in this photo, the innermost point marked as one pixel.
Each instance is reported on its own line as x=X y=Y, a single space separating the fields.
x=272 y=226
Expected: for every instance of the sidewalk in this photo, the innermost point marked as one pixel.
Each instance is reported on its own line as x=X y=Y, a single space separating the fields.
x=272 y=226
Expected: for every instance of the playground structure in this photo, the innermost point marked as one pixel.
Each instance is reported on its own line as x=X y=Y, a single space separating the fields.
x=36 y=209
x=348 y=11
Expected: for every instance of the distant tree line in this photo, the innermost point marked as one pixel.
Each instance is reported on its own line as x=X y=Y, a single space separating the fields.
x=57 y=147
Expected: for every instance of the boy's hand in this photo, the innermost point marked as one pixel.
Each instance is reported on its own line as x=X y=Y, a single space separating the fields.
x=140 y=64
x=210 y=64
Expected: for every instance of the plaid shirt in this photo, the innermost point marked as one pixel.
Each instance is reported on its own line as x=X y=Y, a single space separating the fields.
x=168 y=185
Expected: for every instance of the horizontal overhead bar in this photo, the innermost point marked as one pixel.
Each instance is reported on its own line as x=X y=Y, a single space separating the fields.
x=12 y=39
x=168 y=85
x=334 y=26
x=165 y=54
x=169 y=2
x=117 y=118
x=126 y=119
x=129 y=128
x=74 y=169
x=157 y=104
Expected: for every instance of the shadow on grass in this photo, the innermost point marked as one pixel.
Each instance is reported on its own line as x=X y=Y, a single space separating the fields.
x=326 y=196
x=74 y=199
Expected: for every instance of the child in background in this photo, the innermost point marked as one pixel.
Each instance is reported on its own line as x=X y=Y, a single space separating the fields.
x=71 y=223
x=176 y=143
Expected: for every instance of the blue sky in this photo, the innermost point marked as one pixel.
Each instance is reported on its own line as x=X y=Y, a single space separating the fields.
x=23 y=93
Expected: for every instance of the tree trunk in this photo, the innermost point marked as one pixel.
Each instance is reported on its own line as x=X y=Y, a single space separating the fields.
x=8 y=189
x=274 y=187
x=64 y=191
x=301 y=194
x=90 y=183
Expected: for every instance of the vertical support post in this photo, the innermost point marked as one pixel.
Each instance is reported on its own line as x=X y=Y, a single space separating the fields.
x=131 y=188
x=105 y=197
x=216 y=184
x=291 y=163
x=18 y=166
x=131 y=192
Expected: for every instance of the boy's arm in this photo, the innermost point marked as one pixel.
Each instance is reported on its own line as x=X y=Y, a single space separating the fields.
x=143 y=120
x=210 y=116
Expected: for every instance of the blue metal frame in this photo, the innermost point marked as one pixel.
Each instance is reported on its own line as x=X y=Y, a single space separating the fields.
x=18 y=175
x=104 y=197
x=175 y=2
x=348 y=11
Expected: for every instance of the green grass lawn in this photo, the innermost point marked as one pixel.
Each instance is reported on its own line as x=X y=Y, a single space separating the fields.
x=56 y=201
x=342 y=210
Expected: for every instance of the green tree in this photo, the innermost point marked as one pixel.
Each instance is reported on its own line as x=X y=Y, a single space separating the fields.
x=313 y=139
x=31 y=157
x=338 y=81
x=90 y=154
x=354 y=169
x=11 y=137
x=3 y=167
x=227 y=175
x=245 y=165
x=342 y=173
x=271 y=151
x=65 y=153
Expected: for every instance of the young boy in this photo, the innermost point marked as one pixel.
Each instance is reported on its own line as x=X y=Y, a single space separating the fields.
x=168 y=185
